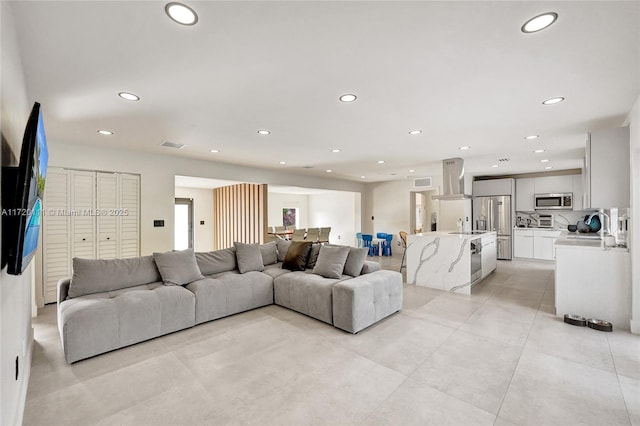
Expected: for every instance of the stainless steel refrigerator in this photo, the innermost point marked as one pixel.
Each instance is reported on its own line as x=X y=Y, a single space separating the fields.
x=494 y=214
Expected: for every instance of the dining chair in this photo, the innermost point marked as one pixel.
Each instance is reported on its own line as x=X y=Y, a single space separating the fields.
x=313 y=235
x=298 y=235
x=324 y=234
x=388 y=244
x=403 y=239
x=359 y=239
x=382 y=238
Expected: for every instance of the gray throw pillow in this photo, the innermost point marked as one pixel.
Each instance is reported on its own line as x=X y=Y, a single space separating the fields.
x=178 y=267
x=355 y=261
x=249 y=257
x=214 y=262
x=282 y=246
x=331 y=260
x=269 y=253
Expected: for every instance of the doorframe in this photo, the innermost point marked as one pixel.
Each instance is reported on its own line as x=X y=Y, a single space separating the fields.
x=188 y=202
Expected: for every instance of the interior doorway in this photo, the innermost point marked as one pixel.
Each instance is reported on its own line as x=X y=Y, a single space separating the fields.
x=183 y=226
x=424 y=211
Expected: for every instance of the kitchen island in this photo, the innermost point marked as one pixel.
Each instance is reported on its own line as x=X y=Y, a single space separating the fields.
x=450 y=261
x=593 y=280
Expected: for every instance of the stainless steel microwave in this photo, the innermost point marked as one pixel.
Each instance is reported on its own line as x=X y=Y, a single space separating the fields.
x=563 y=201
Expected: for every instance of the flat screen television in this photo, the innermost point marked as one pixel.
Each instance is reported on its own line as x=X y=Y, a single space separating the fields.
x=22 y=193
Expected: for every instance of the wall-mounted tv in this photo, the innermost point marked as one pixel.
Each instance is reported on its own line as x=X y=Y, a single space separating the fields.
x=22 y=193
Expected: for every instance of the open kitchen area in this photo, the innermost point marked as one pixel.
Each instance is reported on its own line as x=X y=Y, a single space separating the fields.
x=574 y=222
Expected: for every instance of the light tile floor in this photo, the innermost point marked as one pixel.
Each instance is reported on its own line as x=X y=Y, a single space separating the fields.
x=497 y=357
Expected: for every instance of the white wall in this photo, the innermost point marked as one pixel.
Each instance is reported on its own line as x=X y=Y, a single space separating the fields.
x=276 y=202
x=15 y=291
x=202 y=211
x=634 y=241
x=339 y=211
x=157 y=173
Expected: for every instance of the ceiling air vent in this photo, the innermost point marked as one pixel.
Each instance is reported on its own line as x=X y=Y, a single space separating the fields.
x=424 y=182
x=503 y=160
x=172 y=145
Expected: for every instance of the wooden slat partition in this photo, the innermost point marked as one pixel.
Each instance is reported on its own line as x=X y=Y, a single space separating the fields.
x=240 y=214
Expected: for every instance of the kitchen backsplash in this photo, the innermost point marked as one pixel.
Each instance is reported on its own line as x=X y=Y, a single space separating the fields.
x=561 y=219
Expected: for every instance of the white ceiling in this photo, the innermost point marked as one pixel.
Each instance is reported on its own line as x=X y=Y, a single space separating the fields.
x=462 y=72
x=206 y=183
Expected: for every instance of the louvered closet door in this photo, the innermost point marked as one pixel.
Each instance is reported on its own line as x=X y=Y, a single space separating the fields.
x=83 y=224
x=107 y=220
x=56 y=253
x=129 y=222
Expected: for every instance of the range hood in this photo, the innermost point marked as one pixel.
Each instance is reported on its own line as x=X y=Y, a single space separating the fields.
x=452 y=180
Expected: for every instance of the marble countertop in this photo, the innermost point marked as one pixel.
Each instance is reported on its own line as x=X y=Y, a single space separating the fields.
x=449 y=234
x=572 y=240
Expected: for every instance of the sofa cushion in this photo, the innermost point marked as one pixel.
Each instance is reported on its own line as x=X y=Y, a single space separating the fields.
x=215 y=262
x=306 y=293
x=313 y=255
x=355 y=261
x=297 y=255
x=282 y=246
x=269 y=253
x=178 y=267
x=275 y=270
x=331 y=260
x=249 y=257
x=99 y=275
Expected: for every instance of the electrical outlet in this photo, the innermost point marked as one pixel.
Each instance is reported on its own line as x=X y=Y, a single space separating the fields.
x=339 y=236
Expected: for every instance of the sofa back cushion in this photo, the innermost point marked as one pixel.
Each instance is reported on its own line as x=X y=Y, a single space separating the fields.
x=99 y=275
x=178 y=267
x=313 y=255
x=283 y=247
x=215 y=262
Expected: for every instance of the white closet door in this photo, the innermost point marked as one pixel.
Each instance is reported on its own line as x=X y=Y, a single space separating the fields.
x=107 y=220
x=56 y=254
x=83 y=223
x=130 y=217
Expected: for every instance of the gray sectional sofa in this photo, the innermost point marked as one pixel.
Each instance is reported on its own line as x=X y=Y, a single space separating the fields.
x=110 y=304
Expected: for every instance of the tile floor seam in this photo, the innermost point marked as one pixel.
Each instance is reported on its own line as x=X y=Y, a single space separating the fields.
x=624 y=400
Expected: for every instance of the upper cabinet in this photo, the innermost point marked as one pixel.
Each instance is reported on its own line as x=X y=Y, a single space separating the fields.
x=553 y=184
x=492 y=187
x=526 y=188
x=607 y=169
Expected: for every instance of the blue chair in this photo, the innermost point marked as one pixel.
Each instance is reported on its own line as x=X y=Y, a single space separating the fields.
x=382 y=237
x=388 y=244
x=359 y=238
x=367 y=241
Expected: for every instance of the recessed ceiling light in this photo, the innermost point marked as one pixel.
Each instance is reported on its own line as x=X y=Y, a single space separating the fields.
x=411 y=171
x=548 y=167
x=181 y=13
x=544 y=161
x=362 y=177
x=464 y=148
x=539 y=22
x=415 y=132
x=105 y=132
x=263 y=132
x=532 y=137
x=552 y=101
x=335 y=150
x=380 y=161
x=283 y=162
x=328 y=170
x=495 y=166
x=129 y=96
x=214 y=151
x=538 y=151
x=348 y=98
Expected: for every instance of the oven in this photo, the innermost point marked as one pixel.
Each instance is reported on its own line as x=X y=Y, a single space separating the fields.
x=476 y=260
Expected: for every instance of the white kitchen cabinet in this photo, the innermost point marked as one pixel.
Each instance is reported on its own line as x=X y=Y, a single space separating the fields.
x=489 y=254
x=607 y=169
x=523 y=243
x=525 y=189
x=578 y=192
x=544 y=244
x=553 y=184
x=490 y=187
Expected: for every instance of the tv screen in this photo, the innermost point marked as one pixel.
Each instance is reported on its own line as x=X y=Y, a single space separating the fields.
x=22 y=194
